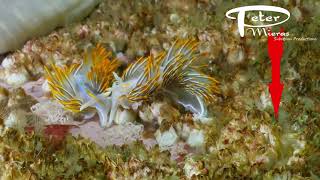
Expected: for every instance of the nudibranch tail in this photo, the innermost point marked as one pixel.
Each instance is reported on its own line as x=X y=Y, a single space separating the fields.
x=191 y=102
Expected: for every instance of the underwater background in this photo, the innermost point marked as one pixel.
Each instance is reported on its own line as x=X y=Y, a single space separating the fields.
x=162 y=140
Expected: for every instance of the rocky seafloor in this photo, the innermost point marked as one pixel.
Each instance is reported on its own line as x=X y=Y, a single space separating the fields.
x=243 y=140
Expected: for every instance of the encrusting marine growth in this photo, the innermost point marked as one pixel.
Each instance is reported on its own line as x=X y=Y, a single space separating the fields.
x=94 y=84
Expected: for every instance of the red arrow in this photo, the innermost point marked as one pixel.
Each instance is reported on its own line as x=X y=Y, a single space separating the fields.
x=275 y=50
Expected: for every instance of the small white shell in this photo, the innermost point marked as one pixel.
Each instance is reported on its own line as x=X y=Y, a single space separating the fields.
x=16 y=118
x=145 y=114
x=16 y=79
x=7 y=62
x=196 y=138
x=124 y=116
x=166 y=139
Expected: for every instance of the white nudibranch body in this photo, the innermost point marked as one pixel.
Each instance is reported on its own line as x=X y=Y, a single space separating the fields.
x=87 y=86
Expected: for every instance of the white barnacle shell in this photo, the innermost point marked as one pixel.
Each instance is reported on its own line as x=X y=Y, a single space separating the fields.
x=20 y=20
x=196 y=138
x=166 y=139
x=7 y=62
x=124 y=115
x=16 y=78
x=145 y=114
x=16 y=119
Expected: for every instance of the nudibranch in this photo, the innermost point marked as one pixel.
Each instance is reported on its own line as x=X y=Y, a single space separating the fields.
x=79 y=85
x=94 y=84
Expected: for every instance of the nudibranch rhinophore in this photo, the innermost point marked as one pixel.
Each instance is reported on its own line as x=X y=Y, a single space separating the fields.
x=94 y=84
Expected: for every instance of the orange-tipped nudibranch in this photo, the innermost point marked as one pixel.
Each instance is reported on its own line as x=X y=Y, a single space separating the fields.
x=85 y=85
x=94 y=83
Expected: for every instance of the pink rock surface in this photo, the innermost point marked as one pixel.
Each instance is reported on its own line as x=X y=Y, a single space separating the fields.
x=114 y=135
x=34 y=89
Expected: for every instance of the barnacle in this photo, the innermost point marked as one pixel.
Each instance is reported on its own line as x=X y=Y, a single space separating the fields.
x=79 y=87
